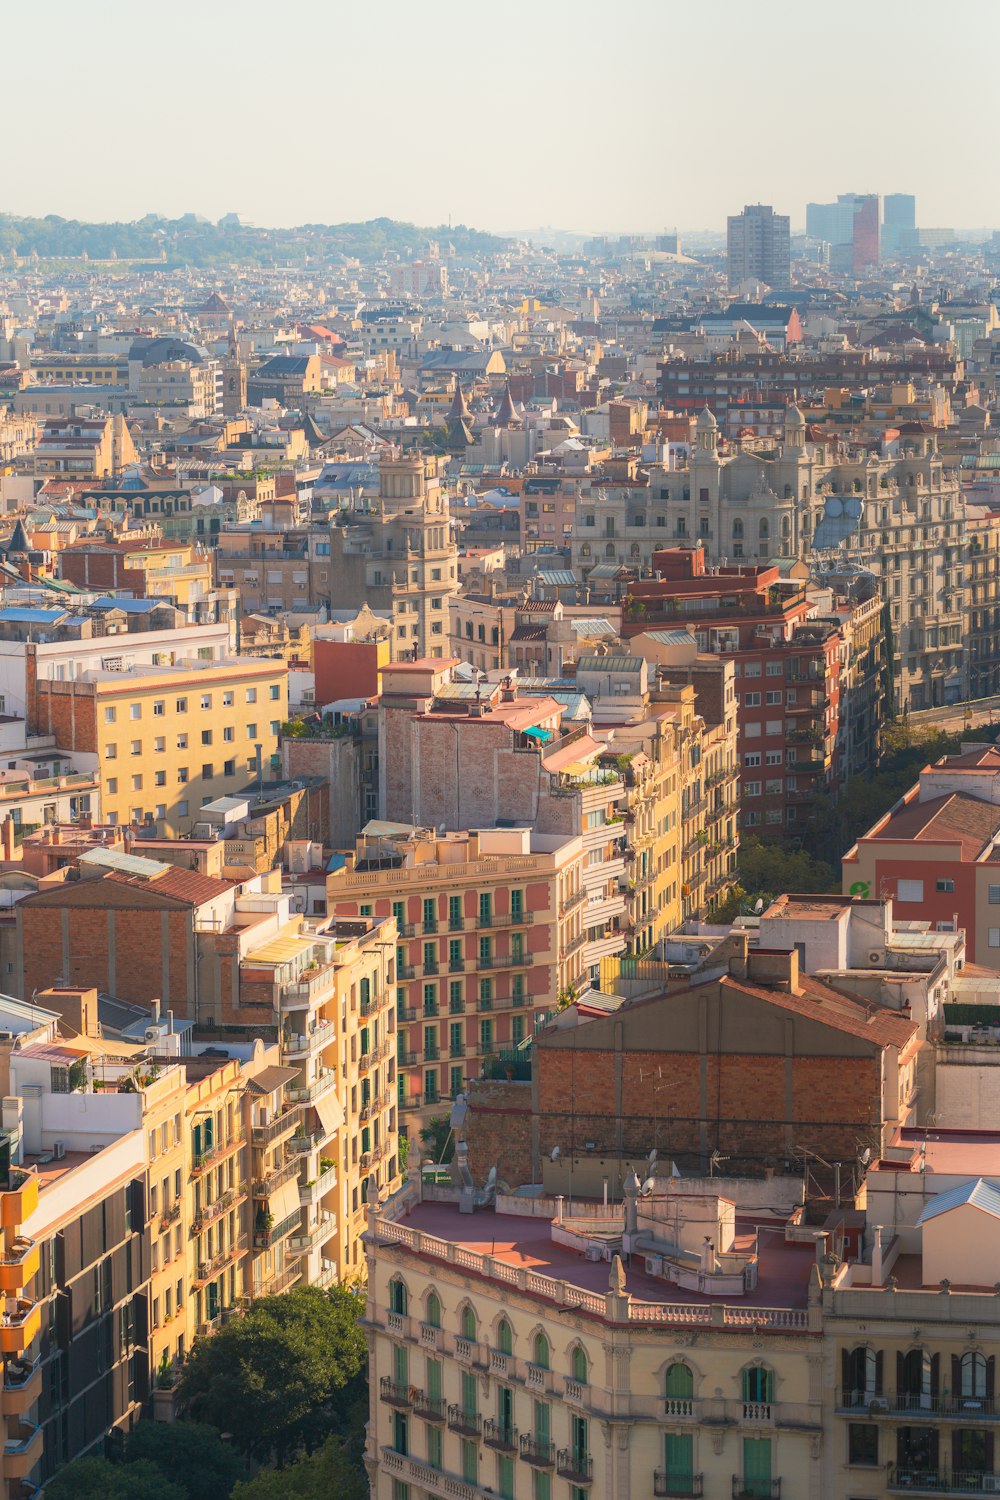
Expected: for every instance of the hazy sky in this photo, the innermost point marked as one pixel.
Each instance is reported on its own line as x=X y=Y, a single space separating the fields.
x=506 y=114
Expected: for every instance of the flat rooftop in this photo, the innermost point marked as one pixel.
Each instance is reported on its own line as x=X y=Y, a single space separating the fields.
x=526 y=1243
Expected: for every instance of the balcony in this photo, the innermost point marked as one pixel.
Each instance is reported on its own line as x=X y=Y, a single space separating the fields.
x=266 y=1239
x=216 y=1210
x=466 y=1423
x=430 y=1408
x=19 y=1324
x=313 y=1041
x=264 y=1186
x=316 y=1234
x=214 y=1154
x=310 y=987
x=303 y=1143
x=499 y=1436
x=506 y=919
x=393 y=1393
x=757 y=1411
x=914 y=1403
x=308 y=1093
x=373 y=1107
x=538 y=1451
x=18 y=1264
x=505 y=961
x=19 y=1200
x=369 y=1060
x=22 y=1386
x=676 y=1484
x=313 y=1192
x=279 y=1129
x=405 y=971
x=407 y=1059
x=936 y=1482
x=208 y=1269
x=577 y=1467
x=374 y=1003
x=571 y=903
x=280 y=1281
x=22 y=1452
x=678 y=1408
x=756 y=1489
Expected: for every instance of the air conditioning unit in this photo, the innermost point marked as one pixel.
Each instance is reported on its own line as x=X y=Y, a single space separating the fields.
x=991 y=1484
x=58 y=1150
x=594 y=1252
x=875 y=956
x=654 y=1265
x=878 y=1403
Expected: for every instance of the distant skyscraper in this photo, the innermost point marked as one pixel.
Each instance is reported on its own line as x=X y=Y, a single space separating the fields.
x=850 y=226
x=899 y=222
x=757 y=244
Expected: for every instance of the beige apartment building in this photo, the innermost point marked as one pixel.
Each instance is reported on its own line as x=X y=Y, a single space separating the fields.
x=167 y=739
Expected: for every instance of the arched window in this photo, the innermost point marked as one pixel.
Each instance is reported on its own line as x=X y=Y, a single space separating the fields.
x=541 y=1351
x=738 y=529
x=609 y=550
x=788 y=492
x=635 y=549
x=861 y=1375
x=917 y=1377
x=468 y=1323
x=763 y=528
x=758 y=1386
x=975 y=1375
x=786 y=526
x=434 y=1310
x=585 y=550
x=679 y=1388
x=505 y=1338
x=397 y=1297
x=581 y=1371
x=687 y=492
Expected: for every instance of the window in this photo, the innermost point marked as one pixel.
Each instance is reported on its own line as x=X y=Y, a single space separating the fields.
x=251 y=695
x=135 y=710
x=752 y=700
x=227 y=699
x=752 y=758
x=678 y=1461
x=468 y=1323
x=945 y=885
x=505 y=1338
x=207 y=770
x=910 y=890
x=229 y=733
x=206 y=700
x=182 y=773
x=161 y=778
x=541 y=1352
x=180 y=705
x=862 y=1443
x=136 y=747
x=206 y=736
x=229 y=768
x=994 y=895
x=159 y=745
x=274 y=692
x=251 y=731
x=397 y=1297
x=111 y=753
x=158 y=709
x=433 y=1310
x=182 y=742
x=109 y=716
x=581 y=1373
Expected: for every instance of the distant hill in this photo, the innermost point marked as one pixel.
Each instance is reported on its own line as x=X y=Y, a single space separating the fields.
x=194 y=241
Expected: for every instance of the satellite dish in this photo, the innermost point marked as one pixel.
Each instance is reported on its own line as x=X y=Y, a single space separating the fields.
x=758 y=906
x=648 y=1186
x=652 y=1156
x=554 y=1154
x=866 y=1156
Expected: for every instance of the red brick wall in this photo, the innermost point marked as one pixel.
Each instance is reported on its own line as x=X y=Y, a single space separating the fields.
x=66 y=709
x=139 y=952
x=498 y=1130
x=835 y=1101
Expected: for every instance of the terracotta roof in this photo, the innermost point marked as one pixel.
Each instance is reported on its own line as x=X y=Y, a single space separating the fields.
x=820 y=1002
x=984 y=758
x=182 y=885
x=954 y=817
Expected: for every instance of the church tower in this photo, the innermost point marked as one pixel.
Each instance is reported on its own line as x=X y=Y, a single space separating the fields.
x=234 y=378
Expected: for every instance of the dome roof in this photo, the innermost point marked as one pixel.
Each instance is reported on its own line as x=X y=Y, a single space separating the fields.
x=707 y=420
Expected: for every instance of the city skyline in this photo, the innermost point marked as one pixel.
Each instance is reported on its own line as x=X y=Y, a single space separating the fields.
x=483 y=171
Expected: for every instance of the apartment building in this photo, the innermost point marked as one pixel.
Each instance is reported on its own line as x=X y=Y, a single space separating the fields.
x=489 y=932
x=167 y=739
x=787 y=663
x=180 y=572
x=83 y=447
x=508 y=1360
x=935 y=853
x=901 y=519
x=757 y=247
x=983 y=640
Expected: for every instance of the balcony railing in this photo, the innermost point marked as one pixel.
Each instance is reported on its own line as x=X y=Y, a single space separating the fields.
x=308 y=1093
x=505 y=961
x=500 y=1436
x=577 y=1467
x=209 y=1268
x=301 y=1045
x=263 y=1239
x=216 y=1210
x=430 y=1408
x=915 y=1403
x=275 y=1130
x=936 y=1481
x=312 y=1192
x=756 y=1489
x=538 y=1451
x=272 y=1181
x=678 y=1406
x=468 y=1423
x=202 y=1159
x=393 y=1393
x=270 y=1286
x=505 y=919
x=676 y=1484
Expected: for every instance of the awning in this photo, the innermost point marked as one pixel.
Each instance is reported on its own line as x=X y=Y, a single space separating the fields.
x=284 y=1201
x=328 y=1107
x=542 y=735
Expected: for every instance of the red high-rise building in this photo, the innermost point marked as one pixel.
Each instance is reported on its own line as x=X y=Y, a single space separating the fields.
x=866 y=230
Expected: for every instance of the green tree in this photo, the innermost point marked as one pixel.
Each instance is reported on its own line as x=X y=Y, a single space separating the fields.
x=771 y=869
x=190 y=1452
x=322 y=1475
x=434 y=1137
x=97 y=1479
x=275 y=1379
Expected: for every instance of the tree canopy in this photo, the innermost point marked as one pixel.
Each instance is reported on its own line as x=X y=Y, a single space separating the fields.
x=273 y=1379
x=193 y=1454
x=98 y=1479
x=319 y=1476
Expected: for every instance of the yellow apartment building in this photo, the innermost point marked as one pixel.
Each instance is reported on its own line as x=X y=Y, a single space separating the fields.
x=168 y=739
x=215 y=1183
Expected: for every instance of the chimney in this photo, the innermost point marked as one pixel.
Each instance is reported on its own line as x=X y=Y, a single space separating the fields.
x=777 y=968
x=8 y=832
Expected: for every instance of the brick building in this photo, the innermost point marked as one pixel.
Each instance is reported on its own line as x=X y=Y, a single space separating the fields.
x=759 y=1065
x=788 y=674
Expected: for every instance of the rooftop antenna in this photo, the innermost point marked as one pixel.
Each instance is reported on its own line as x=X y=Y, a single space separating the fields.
x=715 y=1160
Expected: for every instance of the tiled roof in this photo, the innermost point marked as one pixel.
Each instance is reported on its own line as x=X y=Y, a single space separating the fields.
x=954 y=817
